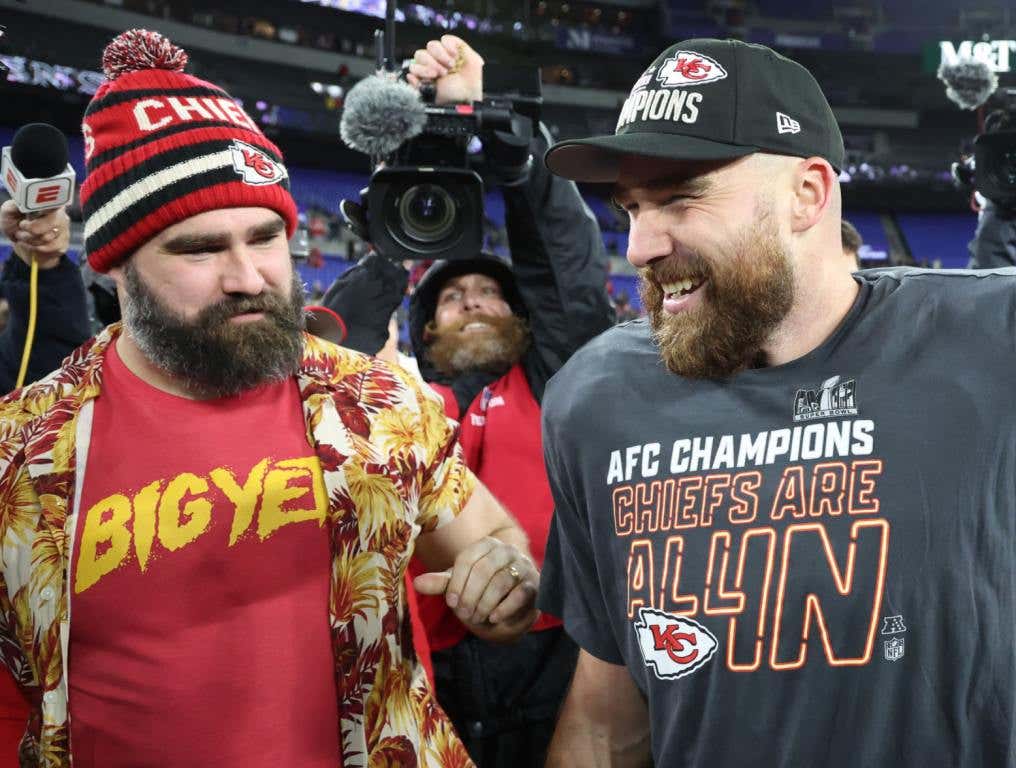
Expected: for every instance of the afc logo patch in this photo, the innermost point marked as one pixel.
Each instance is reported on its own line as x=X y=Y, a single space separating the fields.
x=892 y=625
x=672 y=646
x=254 y=165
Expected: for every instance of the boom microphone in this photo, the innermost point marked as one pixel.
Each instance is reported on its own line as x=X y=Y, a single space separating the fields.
x=35 y=169
x=968 y=82
x=380 y=114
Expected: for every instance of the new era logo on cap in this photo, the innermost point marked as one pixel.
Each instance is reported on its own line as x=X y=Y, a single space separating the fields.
x=689 y=68
x=787 y=124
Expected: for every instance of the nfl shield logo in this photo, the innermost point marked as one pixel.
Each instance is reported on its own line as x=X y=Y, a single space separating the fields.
x=894 y=649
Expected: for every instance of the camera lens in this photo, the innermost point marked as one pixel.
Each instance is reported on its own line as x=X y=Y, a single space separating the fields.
x=427 y=212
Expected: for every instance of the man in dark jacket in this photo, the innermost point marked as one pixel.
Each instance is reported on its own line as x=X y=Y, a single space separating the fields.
x=488 y=337
x=62 y=317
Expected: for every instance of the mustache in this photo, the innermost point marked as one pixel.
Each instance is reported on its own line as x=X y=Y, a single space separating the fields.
x=674 y=268
x=491 y=320
x=268 y=303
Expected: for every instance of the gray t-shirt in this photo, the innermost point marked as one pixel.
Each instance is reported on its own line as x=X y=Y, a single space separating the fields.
x=807 y=565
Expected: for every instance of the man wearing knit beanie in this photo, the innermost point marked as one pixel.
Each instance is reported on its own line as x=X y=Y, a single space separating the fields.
x=227 y=502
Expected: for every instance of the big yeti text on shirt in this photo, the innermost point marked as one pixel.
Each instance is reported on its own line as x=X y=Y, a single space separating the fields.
x=199 y=588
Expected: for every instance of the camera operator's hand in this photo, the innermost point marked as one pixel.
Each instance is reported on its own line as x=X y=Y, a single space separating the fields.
x=455 y=67
x=45 y=238
x=365 y=296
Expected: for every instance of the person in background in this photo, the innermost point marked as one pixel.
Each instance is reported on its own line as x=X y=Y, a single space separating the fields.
x=994 y=243
x=62 y=318
x=851 y=241
x=623 y=308
x=488 y=337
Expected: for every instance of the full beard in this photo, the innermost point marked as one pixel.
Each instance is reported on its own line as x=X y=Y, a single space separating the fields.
x=454 y=352
x=747 y=296
x=212 y=356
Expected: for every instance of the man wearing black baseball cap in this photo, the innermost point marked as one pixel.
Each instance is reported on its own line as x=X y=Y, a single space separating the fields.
x=775 y=558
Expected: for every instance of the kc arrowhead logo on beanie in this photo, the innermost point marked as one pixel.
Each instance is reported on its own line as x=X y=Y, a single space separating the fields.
x=162 y=146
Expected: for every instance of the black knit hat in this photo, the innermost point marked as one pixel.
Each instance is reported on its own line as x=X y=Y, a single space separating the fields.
x=710 y=100
x=423 y=303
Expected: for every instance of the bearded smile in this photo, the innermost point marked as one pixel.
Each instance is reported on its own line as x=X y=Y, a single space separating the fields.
x=480 y=343
x=476 y=326
x=682 y=295
x=711 y=317
x=680 y=281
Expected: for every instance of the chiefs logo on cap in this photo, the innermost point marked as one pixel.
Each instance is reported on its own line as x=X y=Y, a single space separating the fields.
x=689 y=68
x=673 y=646
x=254 y=165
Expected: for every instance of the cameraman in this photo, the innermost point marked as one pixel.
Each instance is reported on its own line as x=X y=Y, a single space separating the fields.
x=62 y=321
x=994 y=244
x=488 y=337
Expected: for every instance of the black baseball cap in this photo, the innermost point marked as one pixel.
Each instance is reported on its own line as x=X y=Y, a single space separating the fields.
x=707 y=99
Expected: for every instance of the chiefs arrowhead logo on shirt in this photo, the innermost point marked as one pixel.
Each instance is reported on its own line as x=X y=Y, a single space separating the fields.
x=673 y=646
x=689 y=68
x=256 y=167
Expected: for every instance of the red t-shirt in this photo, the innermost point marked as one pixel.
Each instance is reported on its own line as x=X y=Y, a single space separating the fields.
x=502 y=443
x=200 y=584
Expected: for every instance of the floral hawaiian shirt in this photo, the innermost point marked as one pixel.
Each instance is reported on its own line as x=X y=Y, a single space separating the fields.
x=392 y=468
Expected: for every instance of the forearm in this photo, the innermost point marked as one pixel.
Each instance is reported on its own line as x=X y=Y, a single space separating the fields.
x=604 y=722
x=577 y=741
x=511 y=533
x=560 y=266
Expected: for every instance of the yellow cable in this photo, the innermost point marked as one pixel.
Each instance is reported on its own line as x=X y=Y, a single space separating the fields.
x=33 y=308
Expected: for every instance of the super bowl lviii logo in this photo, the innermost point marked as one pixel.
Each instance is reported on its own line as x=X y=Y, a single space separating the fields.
x=673 y=646
x=833 y=398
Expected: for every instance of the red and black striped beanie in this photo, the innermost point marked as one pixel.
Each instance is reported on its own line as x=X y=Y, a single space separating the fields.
x=161 y=146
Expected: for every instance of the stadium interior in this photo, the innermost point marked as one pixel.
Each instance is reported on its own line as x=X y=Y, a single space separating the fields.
x=291 y=63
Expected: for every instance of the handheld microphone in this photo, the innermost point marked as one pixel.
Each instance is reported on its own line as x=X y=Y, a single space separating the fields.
x=380 y=114
x=35 y=169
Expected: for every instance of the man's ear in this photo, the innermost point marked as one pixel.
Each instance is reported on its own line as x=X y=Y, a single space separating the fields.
x=814 y=183
x=117 y=273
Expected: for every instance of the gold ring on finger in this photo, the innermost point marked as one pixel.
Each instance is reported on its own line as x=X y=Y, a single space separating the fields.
x=515 y=573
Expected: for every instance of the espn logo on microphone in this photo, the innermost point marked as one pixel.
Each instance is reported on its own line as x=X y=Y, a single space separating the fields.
x=32 y=195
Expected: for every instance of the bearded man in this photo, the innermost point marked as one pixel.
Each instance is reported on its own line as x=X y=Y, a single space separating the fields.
x=229 y=503
x=774 y=557
x=487 y=338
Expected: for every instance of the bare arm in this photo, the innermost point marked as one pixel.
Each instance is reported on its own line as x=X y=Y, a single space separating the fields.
x=604 y=722
x=490 y=582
